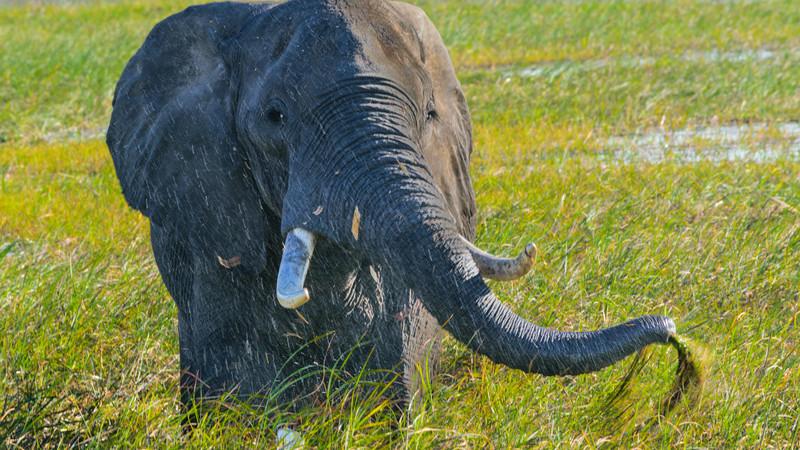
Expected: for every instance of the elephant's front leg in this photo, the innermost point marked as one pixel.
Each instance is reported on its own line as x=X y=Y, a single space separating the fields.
x=230 y=346
x=175 y=266
x=421 y=346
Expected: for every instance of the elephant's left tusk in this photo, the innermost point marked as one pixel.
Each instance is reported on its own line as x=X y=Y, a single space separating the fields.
x=504 y=269
x=297 y=251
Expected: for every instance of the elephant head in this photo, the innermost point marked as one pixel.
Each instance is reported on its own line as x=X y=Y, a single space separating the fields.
x=343 y=122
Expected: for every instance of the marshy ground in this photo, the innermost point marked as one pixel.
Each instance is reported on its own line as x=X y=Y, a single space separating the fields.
x=650 y=149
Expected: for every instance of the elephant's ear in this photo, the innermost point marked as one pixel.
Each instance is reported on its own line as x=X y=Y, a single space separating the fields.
x=172 y=137
x=449 y=143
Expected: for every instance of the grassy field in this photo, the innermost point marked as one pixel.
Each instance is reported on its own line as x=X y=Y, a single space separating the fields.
x=568 y=98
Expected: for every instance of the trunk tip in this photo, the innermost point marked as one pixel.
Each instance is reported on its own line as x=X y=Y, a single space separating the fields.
x=672 y=329
x=661 y=329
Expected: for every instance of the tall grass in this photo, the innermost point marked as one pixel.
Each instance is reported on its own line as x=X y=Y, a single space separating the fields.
x=88 y=348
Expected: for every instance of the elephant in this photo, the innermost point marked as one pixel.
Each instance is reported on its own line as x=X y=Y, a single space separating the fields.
x=304 y=167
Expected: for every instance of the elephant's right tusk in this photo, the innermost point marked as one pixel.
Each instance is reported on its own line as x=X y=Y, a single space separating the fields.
x=297 y=251
x=504 y=269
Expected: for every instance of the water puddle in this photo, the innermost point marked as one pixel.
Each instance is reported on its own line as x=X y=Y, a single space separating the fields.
x=713 y=56
x=758 y=142
x=39 y=2
x=74 y=134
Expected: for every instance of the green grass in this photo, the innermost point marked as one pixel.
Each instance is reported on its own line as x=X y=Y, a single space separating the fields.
x=88 y=349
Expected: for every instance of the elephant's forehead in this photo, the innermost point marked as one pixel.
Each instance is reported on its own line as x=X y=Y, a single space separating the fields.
x=337 y=36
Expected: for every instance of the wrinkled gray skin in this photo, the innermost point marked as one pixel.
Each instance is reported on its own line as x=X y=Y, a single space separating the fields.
x=235 y=123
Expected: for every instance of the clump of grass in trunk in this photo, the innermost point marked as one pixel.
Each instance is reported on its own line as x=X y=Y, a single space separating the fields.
x=690 y=376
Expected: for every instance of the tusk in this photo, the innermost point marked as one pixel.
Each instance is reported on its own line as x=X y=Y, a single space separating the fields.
x=504 y=269
x=297 y=251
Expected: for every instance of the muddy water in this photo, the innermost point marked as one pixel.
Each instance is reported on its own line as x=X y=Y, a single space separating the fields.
x=553 y=68
x=757 y=142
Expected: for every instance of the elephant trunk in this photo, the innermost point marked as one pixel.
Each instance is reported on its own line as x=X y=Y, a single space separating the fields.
x=409 y=230
x=437 y=265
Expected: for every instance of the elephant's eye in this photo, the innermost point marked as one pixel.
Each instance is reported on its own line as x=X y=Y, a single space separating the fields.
x=431 y=115
x=276 y=116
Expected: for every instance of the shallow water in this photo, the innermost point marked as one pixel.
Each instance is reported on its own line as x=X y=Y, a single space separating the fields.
x=49 y=2
x=758 y=142
x=74 y=134
x=553 y=68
